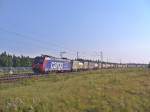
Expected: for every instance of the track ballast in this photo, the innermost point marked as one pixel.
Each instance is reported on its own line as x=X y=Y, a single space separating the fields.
x=17 y=77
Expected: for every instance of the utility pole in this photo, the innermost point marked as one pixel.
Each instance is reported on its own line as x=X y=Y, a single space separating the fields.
x=77 y=55
x=61 y=54
x=101 y=58
x=107 y=59
x=120 y=61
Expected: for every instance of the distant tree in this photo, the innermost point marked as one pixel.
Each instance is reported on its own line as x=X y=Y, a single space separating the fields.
x=7 y=60
x=4 y=59
x=149 y=65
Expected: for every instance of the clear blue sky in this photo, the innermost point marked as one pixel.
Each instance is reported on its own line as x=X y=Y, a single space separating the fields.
x=119 y=28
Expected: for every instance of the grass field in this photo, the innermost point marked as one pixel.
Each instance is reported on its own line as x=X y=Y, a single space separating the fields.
x=125 y=90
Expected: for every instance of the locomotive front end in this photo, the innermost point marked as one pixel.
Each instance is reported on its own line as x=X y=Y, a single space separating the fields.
x=37 y=65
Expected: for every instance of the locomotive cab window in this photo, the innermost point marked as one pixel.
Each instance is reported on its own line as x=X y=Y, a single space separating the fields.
x=38 y=60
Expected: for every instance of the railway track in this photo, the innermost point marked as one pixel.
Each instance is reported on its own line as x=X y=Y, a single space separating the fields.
x=17 y=77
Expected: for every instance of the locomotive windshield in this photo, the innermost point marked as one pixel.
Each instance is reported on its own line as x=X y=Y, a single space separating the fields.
x=38 y=60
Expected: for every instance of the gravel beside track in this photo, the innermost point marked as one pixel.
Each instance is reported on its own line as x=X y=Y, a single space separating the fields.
x=16 y=77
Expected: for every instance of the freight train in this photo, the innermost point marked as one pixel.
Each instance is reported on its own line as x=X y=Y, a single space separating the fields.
x=46 y=64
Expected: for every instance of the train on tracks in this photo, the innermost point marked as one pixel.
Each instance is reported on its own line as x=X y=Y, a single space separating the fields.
x=45 y=64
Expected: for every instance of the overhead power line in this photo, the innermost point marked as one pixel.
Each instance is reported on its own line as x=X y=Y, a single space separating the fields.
x=35 y=40
x=49 y=45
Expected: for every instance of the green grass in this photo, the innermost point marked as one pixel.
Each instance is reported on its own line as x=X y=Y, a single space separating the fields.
x=126 y=90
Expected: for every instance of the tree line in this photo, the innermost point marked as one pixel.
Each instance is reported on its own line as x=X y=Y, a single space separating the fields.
x=7 y=60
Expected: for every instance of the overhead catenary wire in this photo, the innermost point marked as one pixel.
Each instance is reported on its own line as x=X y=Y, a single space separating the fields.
x=27 y=37
x=38 y=42
x=55 y=47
